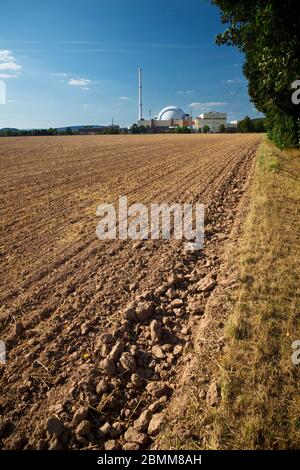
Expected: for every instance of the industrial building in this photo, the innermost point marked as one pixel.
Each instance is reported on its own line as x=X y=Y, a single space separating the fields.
x=171 y=117
x=168 y=118
x=211 y=119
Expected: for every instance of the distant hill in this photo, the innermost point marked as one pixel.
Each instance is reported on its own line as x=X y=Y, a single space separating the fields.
x=74 y=128
x=78 y=128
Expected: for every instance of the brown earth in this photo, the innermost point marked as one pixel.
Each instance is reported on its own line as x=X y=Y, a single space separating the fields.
x=81 y=366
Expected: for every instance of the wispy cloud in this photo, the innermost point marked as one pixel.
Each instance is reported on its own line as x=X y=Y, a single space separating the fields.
x=9 y=68
x=59 y=74
x=235 y=80
x=124 y=98
x=82 y=83
x=185 y=92
x=8 y=75
x=206 y=106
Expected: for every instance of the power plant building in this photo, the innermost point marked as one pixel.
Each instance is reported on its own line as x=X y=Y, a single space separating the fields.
x=173 y=116
x=211 y=119
x=168 y=118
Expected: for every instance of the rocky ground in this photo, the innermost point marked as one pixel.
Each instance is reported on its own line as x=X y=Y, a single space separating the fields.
x=96 y=332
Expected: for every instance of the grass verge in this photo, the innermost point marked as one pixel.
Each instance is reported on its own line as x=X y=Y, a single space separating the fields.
x=259 y=384
x=260 y=406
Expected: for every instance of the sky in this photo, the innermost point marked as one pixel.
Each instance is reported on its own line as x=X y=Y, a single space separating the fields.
x=73 y=62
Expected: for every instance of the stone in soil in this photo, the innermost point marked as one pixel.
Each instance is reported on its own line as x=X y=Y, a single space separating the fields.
x=131 y=435
x=142 y=422
x=155 y=424
x=127 y=362
x=116 y=429
x=108 y=366
x=158 y=352
x=83 y=428
x=129 y=313
x=54 y=427
x=207 y=284
x=155 y=331
x=136 y=380
x=102 y=386
x=130 y=446
x=157 y=389
x=178 y=350
x=117 y=351
x=176 y=303
x=79 y=415
x=111 y=445
x=144 y=311
x=105 y=430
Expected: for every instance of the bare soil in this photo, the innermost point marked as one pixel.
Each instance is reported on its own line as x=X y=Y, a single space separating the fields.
x=82 y=367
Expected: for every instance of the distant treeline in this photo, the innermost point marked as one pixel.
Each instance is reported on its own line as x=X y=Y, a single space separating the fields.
x=51 y=131
x=251 y=125
x=245 y=125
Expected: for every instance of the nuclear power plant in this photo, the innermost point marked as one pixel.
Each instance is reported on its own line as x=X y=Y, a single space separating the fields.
x=171 y=117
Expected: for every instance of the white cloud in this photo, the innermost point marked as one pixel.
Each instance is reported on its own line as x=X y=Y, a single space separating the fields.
x=6 y=55
x=8 y=64
x=8 y=75
x=235 y=80
x=83 y=83
x=205 y=106
x=124 y=98
x=185 y=92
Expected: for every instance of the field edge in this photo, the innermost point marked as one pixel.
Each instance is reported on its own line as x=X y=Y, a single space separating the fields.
x=239 y=385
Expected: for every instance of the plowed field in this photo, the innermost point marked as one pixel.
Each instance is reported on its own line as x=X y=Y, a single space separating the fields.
x=62 y=288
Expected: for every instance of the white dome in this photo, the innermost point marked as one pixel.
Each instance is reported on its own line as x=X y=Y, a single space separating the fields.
x=171 y=112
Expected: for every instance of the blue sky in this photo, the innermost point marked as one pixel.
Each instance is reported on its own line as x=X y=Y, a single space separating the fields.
x=75 y=62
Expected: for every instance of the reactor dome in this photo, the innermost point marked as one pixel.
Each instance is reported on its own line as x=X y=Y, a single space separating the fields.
x=171 y=112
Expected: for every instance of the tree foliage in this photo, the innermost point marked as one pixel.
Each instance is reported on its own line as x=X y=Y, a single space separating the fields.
x=245 y=125
x=182 y=130
x=267 y=32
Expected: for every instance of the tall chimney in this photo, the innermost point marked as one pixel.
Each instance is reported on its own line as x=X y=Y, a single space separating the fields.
x=140 y=96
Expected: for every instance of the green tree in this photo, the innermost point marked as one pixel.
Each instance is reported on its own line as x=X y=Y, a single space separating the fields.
x=245 y=125
x=142 y=129
x=206 y=129
x=267 y=32
x=135 y=129
x=259 y=125
x=222 y=128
